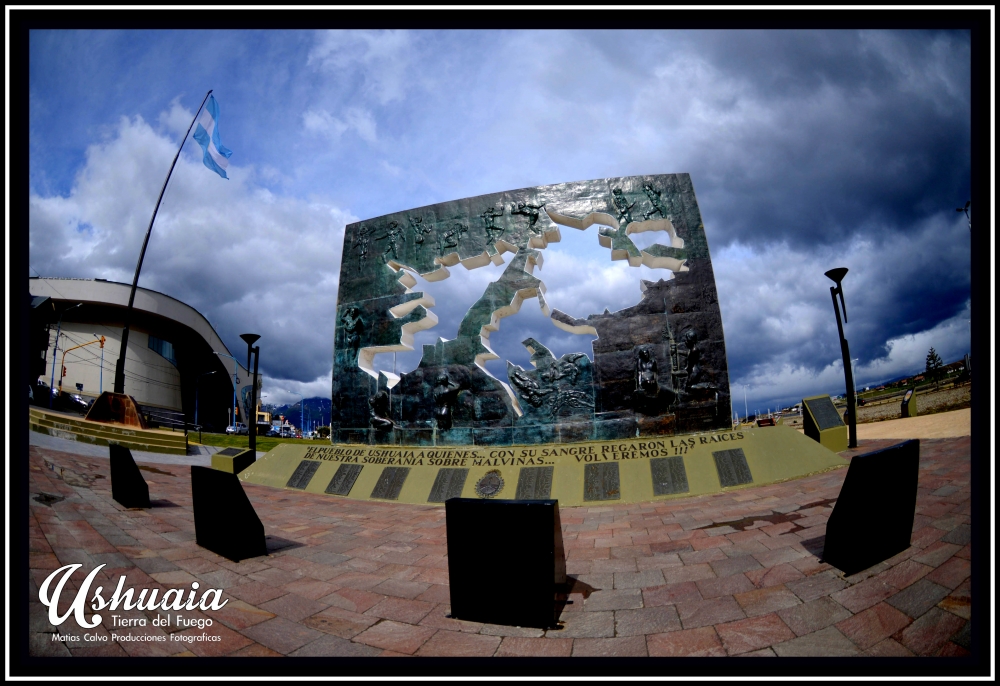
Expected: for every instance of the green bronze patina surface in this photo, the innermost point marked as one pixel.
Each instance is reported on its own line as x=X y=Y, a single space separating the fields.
x=657 y=368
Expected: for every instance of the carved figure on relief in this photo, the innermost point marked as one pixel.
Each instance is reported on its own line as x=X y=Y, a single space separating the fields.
x=529 y=211
x=363 y=243
x=378 y=406
x=393 y=233
x=656 y=200
x=445 y=393
x=353 y=326
x=417 y=224
x=452 y=238
x=493 y=232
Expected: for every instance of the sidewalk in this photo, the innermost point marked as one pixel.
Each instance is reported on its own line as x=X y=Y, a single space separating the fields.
x=730 y=574
x=197 y=454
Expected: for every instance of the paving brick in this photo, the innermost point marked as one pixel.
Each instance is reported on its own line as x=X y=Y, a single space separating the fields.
x=951 y=573
x=585 y=625
x=339 y=622
x=293 y=607
x=694 y=614
x=876 y=623
x=686 y=591
x=917 y=599
x=239 y=615
x=816 y=586
x=813 y=616
x=688 y=573
x=515 y=631
x=754 y=633
x=726 y=585
x=826 y=642
x=515 y=646
x=613 y=600
x=773 y=576
x=457 y=644
x=930 y=632
x=937 y=553
x=281 y=635
x=888 y=648
x=960 y=535
x=694 y=557
x=637 y=580
x=440 y=618
x=734 y=565
x=649 y=620
x=959 y=601
x=766 y=600
x=353 y=599
x=632 y=646
x=700 y=642
x=397 y=637
x=863 y=595
x=332 y=646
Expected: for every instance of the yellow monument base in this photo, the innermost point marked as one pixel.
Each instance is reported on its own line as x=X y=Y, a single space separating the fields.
x=586 y=473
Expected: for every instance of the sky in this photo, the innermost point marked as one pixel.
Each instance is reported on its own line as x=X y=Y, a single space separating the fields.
x=808 y=150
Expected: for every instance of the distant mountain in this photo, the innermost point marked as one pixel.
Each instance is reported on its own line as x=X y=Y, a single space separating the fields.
x=317 y=412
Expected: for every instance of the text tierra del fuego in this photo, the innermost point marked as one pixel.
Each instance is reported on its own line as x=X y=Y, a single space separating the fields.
x=516 y=455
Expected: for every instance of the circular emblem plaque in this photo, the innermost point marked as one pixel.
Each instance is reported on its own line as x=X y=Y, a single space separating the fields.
x=490 y=484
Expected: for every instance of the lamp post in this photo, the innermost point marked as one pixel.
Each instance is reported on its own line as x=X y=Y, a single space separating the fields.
x=236 y=382
x=966 y=210
x=252 y=350
x=101 y=382
x=55 y=349
x=837 y=276
x=196 y=382
x=746 y=412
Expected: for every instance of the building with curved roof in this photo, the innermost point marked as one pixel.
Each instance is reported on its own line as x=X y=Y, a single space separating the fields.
x=176 y=365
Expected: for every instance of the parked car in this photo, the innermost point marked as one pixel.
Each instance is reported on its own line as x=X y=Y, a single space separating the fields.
x=274 y=433
x=239 y=429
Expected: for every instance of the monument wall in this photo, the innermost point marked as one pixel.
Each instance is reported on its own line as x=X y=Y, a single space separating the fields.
x=656 y=368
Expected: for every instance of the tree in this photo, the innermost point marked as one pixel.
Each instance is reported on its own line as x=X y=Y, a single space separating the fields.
x=934 y=364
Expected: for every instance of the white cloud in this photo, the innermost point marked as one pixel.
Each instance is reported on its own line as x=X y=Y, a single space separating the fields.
x=382 y=58
x=244 y=256
x=355 y=119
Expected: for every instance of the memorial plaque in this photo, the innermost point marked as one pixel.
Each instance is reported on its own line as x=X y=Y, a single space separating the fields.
x=303 y=474
x=534 y=483
x=448 y=484
x=231 y=452
x=600 y=482
x=732 y=467
x=669 y=475
x=505 y=558
x=873 y=517
x=390 y=483
x=234 y=460
x=343 y=481
x=824 y=412
x=127 y=485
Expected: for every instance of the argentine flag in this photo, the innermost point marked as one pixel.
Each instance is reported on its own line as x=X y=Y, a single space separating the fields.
x=207 y=134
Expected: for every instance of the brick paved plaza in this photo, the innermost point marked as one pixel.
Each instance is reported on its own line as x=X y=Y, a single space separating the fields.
x=730 y=574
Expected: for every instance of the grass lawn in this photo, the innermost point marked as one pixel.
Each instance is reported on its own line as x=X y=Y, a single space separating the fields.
x=264 y=443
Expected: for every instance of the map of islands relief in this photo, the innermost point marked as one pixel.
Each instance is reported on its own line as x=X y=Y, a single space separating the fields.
x=656 y=368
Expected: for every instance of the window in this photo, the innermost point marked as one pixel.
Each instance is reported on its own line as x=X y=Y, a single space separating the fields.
x=164 y=348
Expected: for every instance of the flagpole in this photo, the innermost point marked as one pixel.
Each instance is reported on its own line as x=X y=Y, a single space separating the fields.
x=120 y=365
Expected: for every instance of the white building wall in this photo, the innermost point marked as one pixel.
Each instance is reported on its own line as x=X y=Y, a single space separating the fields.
x=149 y=378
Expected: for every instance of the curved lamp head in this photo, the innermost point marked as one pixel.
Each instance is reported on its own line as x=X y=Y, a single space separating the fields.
x=836 y=275
x=250 y=339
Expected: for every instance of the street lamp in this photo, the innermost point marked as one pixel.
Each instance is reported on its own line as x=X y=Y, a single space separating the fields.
x=746 y=412
x=196 y=382
x=966 y=210
x=101 y=382
x=236 y=382
x=55 y=349
x=837 y=276
x=254 y=351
